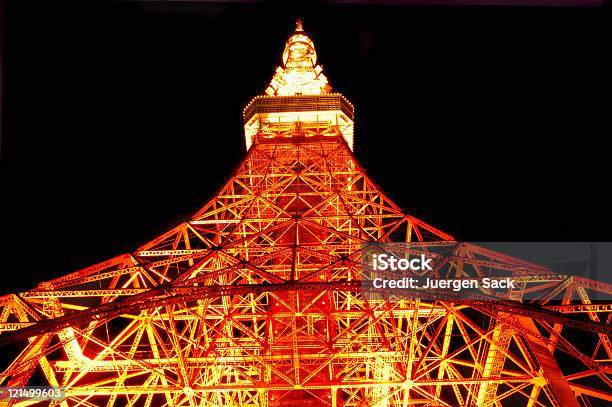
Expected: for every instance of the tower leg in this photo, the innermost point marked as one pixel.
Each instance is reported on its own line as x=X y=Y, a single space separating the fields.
x=548 y=365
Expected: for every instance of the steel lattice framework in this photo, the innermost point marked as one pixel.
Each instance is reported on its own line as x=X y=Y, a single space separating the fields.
x=257 y=300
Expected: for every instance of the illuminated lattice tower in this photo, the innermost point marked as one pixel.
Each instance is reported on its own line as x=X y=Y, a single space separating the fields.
x=256 y=301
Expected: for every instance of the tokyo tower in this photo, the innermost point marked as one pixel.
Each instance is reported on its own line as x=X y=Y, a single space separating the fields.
x=257 y=300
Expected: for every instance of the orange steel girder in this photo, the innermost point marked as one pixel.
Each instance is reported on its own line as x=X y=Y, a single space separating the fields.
x=257 y=301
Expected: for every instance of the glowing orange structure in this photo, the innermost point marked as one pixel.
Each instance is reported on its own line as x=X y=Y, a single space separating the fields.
x=256 y=301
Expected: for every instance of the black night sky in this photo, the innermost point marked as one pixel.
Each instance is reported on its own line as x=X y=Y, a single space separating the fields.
x=121 y=119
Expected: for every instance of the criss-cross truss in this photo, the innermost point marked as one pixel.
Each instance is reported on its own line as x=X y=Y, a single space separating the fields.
x=257 y=301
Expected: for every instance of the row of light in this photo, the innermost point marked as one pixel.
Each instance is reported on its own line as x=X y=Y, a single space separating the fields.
x=271 y=97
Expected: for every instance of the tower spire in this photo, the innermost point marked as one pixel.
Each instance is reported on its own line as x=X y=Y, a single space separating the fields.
x=299 y=73
x=298 y=103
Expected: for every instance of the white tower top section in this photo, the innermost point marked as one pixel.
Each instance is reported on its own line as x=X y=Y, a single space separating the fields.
x=299 y=74
x=298 y=105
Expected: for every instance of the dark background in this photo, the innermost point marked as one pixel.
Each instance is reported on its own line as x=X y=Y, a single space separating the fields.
x=121 y=119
